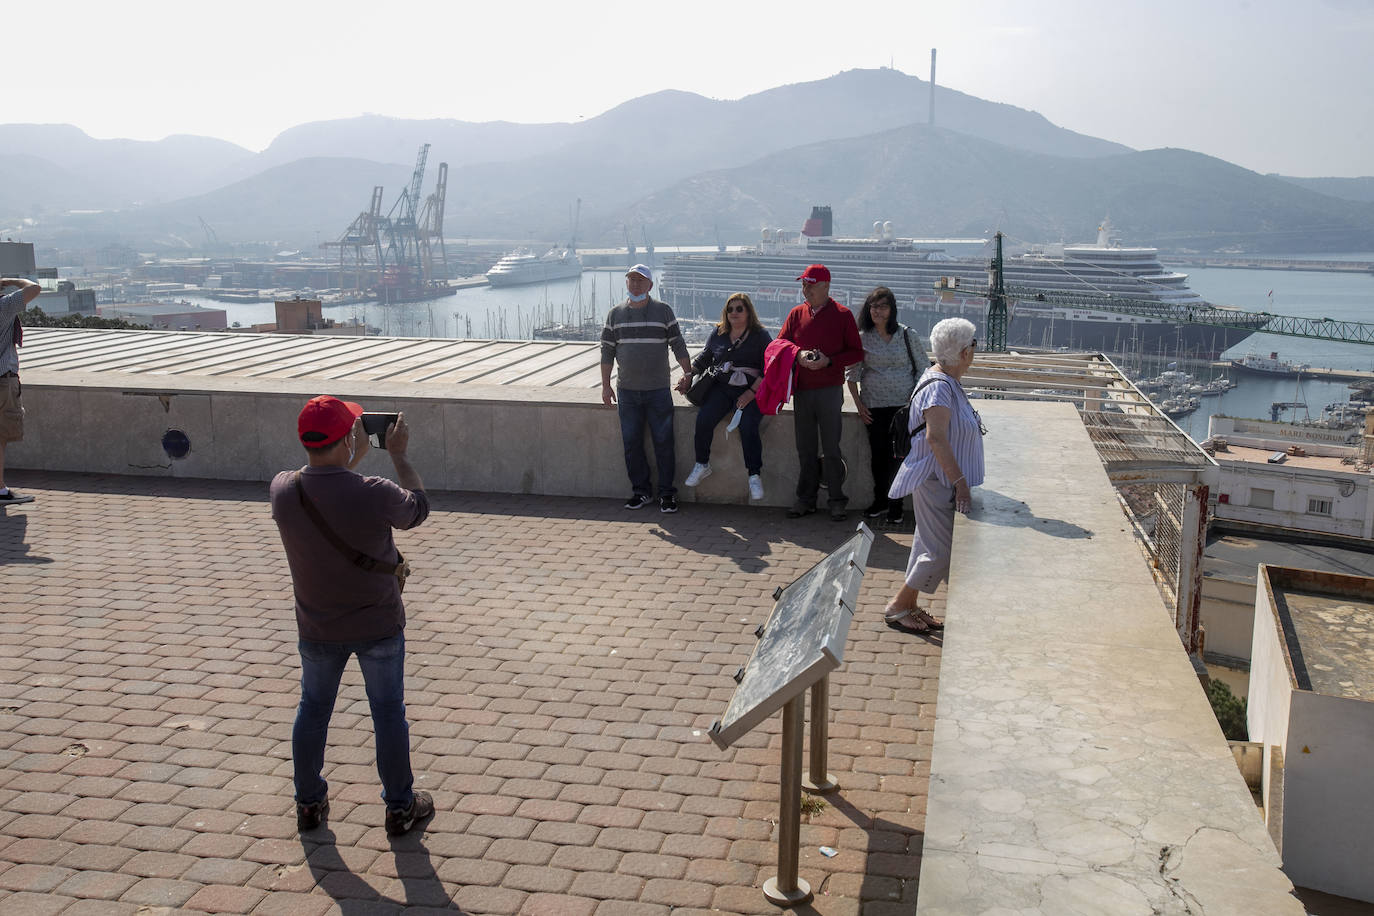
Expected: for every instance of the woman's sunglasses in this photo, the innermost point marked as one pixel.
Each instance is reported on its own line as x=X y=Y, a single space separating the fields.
x=735 y=308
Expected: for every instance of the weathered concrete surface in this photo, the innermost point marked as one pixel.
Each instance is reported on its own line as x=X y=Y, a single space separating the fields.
x=1078 y=767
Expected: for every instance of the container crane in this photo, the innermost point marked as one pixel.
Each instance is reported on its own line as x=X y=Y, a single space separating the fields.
x=431 y=231
x=362 y=241
x=401 y=266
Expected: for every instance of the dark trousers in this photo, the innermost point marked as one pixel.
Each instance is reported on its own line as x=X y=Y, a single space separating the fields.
x=653 y=409
x=383 y=665
x=719 y=404
x=816 y=419
x=883 y=465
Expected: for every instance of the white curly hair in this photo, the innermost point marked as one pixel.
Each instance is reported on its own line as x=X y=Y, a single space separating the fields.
x=949 y=337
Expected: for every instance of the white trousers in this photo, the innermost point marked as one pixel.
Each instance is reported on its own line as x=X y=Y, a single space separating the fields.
x=932 y=505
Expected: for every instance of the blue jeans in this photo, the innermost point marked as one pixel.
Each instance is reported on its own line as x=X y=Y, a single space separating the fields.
x=719 y=404
x=383 y=664
x=655 y=410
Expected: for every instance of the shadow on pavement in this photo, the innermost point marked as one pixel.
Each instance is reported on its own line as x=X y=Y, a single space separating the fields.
x=14 y=547
x=354 y=896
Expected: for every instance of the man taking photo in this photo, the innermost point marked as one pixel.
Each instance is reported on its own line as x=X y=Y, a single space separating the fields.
x=347 y=575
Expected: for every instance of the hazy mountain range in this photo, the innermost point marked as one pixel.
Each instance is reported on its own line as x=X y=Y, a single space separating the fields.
x=674 y=167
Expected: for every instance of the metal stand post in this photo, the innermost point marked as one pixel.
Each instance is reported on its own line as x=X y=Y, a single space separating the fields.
x=787 y=889
x=818 y=781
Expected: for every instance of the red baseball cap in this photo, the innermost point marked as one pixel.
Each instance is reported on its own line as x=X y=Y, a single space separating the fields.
x=816 y=273
x=325 y=420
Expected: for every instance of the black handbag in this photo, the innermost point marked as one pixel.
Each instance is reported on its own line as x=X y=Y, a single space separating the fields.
x=701 y=385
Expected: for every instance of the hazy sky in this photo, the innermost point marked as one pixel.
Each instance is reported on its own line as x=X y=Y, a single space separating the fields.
x=1273 y=85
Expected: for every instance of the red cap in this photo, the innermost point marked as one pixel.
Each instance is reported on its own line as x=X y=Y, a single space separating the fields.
x=325 y=420
x=816 y=273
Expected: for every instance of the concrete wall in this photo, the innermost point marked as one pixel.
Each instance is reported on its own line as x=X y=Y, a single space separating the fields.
x=493 y=438
x=1324 y=797
x=1228 y=615
x=1328 y=805
x=1271 y=690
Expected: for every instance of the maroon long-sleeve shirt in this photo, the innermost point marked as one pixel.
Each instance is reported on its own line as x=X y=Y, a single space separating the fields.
x=832 y=331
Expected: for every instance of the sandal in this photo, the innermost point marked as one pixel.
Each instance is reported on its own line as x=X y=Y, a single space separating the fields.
x=908 y=620
x=932 y=623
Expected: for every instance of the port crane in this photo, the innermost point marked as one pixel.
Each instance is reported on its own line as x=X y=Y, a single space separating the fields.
x=360 y=249
x=999 y=294
x=401 y=254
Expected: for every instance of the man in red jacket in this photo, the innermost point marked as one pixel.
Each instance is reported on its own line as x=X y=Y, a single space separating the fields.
x=829 y=341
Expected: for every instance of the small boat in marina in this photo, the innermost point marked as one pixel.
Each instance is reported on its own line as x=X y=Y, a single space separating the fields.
x=1269 y=365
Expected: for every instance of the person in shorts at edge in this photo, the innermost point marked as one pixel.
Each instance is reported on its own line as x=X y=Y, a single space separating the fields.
x=343 y=609
x=638 y=334
x=829 y=342
x=12 y=305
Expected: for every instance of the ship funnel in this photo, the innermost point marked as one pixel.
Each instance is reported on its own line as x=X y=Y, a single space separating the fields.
x=819 y=225
x=887 y=230
x=877 y=228
x=767 y=234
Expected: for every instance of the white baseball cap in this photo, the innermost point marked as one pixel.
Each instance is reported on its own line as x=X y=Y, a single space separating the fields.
x=643 y=270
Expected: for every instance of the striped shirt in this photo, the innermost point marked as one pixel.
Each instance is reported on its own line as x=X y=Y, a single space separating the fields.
x=637 y=340
x=965 y=439
x=884 y=377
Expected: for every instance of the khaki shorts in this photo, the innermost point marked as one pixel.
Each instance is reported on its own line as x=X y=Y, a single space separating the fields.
x=11 y=411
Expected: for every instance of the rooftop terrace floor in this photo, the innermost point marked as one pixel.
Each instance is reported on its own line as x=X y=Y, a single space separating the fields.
x=566 y=658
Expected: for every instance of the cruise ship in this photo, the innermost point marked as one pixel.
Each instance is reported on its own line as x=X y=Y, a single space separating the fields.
x=522 y=267
x=697 y=284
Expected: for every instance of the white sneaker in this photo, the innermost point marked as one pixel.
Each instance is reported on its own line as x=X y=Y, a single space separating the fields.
x=699 y=473
x=755 y=487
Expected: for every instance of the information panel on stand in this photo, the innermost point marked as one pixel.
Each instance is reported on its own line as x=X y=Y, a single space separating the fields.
x=802 y=641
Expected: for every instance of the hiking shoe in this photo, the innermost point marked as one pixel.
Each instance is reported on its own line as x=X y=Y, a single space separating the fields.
x=800 y=509
x=667 y=504
x=637 y=502
x=838 y=514
x=755 y=487
x=699 y=473
x=308 y=817
x=874 y=510
x=895 y=516
x=421 y=807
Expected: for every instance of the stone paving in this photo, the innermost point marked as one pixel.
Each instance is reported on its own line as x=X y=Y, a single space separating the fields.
x=565 y=659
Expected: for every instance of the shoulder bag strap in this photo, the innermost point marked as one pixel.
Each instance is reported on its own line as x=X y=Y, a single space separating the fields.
x=909 y=355
x=933 y=378
x=356 y=557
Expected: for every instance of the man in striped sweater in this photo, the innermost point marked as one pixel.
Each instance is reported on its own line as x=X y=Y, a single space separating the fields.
x=636 y=339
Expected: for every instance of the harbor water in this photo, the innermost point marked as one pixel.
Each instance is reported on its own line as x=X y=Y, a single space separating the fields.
x=514 y=312
x=1344 y=297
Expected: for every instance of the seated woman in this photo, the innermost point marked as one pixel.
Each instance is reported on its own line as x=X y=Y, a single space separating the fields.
x=737 y=346
x=945 y=462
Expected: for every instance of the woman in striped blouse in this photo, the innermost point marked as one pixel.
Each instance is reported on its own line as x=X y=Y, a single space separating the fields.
x=945 y=462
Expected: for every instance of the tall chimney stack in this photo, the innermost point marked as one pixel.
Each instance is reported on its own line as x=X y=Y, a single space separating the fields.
x=931 y=120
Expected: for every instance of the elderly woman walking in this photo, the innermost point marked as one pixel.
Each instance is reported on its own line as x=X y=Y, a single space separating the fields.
x=944 y=464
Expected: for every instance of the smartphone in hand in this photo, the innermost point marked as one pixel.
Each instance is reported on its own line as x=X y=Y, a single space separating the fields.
x=376 y=425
